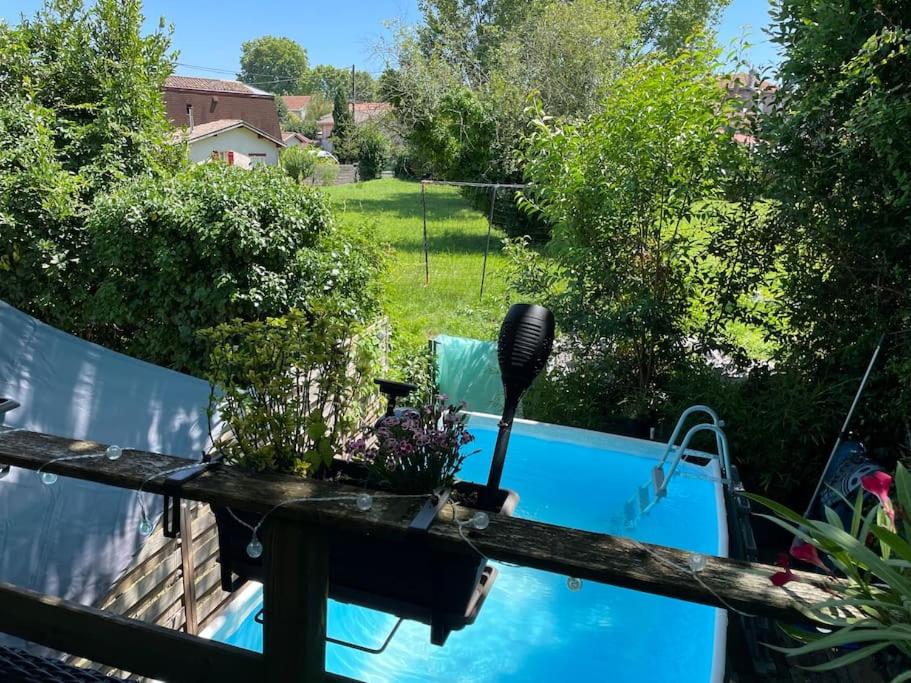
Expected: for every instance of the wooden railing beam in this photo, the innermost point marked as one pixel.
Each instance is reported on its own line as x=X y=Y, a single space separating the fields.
x=127 y=644
x=597 y=557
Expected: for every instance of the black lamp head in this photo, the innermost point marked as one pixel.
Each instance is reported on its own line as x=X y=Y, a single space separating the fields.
x=526 y=340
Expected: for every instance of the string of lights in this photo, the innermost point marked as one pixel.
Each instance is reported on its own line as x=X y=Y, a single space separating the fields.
x=363 y=501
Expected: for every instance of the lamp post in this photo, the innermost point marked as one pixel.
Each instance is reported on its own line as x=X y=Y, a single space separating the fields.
x=526 y=340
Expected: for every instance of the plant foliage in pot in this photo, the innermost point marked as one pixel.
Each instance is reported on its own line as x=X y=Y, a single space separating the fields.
x=292 y=390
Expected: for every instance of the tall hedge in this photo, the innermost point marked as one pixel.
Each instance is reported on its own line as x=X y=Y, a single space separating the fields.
x=212 y=244
x=80 y=110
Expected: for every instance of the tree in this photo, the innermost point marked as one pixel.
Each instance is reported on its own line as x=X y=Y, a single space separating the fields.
x=80 y=110
x=490 y=55
x=840 y=175
x=623 y=190
x=667 y=24
x=567 y=52
x=373 y=151
x=327 y=80
x=343 y=128
x=273 y=64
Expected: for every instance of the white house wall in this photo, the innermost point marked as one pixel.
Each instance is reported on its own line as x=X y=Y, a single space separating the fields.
x=240 y=140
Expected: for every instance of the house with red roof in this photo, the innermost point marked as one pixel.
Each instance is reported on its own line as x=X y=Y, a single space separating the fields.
x=226 y=119
x=297 y=104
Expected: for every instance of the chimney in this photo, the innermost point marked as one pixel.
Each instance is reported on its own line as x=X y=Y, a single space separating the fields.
x=190 y=116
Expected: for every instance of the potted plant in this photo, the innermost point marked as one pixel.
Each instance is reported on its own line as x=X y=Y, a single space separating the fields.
x=292 y=390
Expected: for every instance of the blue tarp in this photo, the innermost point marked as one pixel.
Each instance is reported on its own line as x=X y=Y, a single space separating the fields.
x=75 y=538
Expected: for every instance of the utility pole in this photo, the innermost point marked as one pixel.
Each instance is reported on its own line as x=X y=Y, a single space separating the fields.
x=353 y=94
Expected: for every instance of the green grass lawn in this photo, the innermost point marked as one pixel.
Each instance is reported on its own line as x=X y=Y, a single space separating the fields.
x=450 y=303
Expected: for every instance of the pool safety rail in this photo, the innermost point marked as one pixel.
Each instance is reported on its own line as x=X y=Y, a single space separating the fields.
x=647 y=496
x=295 y=592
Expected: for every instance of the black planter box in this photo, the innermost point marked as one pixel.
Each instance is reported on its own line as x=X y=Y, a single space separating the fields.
x=402 y=576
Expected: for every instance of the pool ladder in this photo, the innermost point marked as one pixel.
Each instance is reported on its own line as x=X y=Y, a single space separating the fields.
x=721 y=446
x=660 y=480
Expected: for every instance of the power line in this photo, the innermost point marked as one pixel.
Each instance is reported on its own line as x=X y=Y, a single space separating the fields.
x=272 y=80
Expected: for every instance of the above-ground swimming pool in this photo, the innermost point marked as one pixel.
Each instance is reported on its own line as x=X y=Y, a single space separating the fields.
x=532 y=627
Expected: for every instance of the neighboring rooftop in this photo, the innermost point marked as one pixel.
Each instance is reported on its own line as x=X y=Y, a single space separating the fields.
x=363 y=111
x=297 y=102
x=212 y=85
x=211 y=100
x=204 y=130
x=303 y=139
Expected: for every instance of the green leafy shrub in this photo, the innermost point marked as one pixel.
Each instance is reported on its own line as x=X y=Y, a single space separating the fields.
x=40 y=235
x=291 y=388
x=624 y=191
x=840 y=178
x=373 y=151
x=298 y=162
x=212 y=244
x=80 y=110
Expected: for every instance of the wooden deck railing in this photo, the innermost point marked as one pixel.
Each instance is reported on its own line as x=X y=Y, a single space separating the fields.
x=296 y=589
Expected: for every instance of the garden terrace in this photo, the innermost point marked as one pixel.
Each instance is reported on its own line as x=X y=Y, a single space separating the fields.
x=295 y=547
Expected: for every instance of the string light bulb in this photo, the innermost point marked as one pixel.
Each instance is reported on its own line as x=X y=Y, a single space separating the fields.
x=113 y=452
x=254 y=548
x=145 y=526
x=48 y=478
x=479 y=521
x=364 y=502
x=697 y=562
x=574 y=584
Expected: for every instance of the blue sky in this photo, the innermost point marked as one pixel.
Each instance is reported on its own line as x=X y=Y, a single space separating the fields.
x=209 y=33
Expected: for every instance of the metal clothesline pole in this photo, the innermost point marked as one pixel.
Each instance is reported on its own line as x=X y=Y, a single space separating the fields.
x=426 y=258
x=493 y=200
x=458 y=183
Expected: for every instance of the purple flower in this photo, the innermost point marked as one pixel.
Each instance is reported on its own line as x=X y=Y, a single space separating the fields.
x=357 y=445
x=391 y=421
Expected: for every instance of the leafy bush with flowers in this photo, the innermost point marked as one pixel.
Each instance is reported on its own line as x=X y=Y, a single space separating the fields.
x=870 y=568
x=417 y=450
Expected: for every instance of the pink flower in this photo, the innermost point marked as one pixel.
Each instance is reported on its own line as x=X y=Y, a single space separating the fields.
x=807 y=552
x=879 y=484
x=781 y=578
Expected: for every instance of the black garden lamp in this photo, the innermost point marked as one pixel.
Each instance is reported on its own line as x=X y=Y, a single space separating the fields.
x=526 y=340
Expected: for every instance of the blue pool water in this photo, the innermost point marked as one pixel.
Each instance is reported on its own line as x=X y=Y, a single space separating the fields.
x=532 y=628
